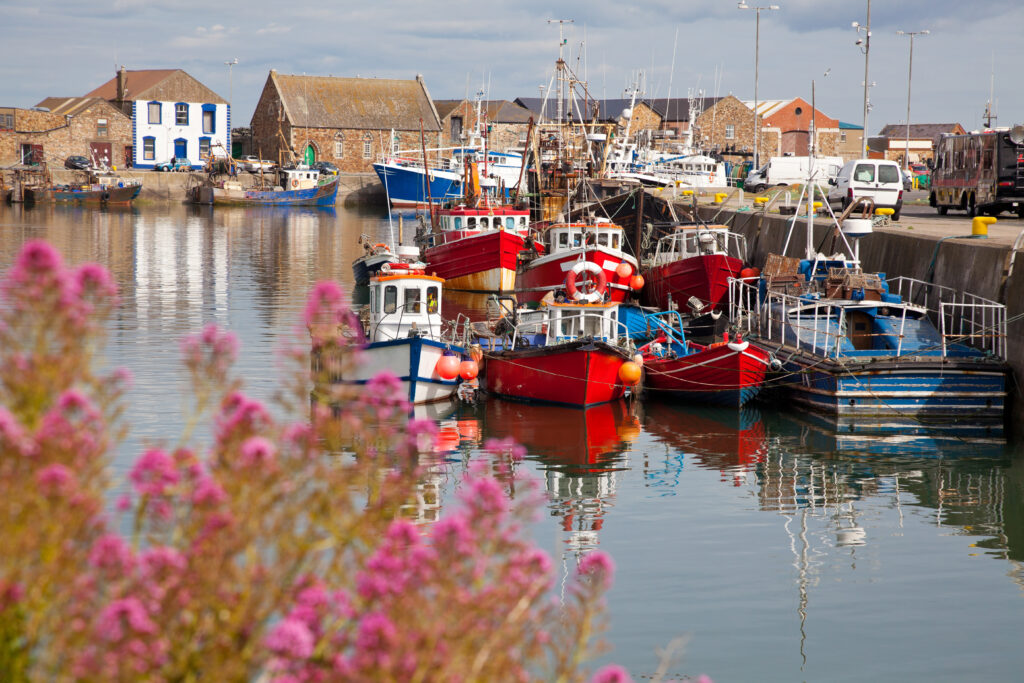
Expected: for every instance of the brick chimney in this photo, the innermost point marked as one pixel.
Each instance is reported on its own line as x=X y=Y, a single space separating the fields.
x=122 y=92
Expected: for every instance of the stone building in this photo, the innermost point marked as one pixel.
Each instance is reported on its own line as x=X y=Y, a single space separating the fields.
x=60 y=127
x=172 y=114
x=644 y=116
x=505 y=122
x=923 y=139
x=350 y=122
x=849 y=146
x=675 y=115
x=727 y=128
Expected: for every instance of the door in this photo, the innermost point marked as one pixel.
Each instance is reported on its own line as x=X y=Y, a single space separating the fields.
x=309 y=156
x=181 y=148
x=129 y=156
x=100 y=154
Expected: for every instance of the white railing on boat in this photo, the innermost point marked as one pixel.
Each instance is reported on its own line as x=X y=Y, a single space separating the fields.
x=960 y=317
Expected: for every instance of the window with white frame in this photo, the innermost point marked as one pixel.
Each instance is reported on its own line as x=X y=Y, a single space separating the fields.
x=730 y=131
x=842 y=136
x=204 y=147
x=181 y=114
x=339 y=149
x=154 y=113
x=101 y=128
x=149 y=148
x=208 y=121
x=367 y=147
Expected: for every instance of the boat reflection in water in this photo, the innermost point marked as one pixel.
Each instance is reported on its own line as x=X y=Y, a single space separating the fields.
x=582 y=452
x=732 y=441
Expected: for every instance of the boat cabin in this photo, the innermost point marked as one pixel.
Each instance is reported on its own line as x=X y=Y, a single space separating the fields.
x=699 y=240
x=478 y=219
x=557 y=322
x=404 y=302
x=563 y=237
x=302 y=178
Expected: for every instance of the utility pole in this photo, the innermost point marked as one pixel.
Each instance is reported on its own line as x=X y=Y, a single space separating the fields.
x=866 y=50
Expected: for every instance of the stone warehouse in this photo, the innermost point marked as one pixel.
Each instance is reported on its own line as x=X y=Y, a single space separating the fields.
x=505 y=123
x=350 y=122
x=63 y=127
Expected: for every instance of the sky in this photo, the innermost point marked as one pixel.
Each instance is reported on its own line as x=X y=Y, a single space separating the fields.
x=64 y=48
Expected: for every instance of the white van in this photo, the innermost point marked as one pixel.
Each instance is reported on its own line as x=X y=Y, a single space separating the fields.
x=791 y=171
x=878 y=179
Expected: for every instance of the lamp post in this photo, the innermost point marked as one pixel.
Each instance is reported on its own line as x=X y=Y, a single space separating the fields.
x=757 y=53
x=866 y=49
x=910 y=73
x=231 y=96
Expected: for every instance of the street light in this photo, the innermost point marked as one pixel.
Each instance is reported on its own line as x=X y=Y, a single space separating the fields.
x=231 y=96
x=910 y=73
x=757 y=52
x=865 y=47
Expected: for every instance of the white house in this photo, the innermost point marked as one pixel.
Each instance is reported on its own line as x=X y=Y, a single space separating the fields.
x=173 y=115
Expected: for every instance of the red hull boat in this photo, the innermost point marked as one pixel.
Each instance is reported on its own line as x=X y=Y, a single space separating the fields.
x=570 y=248
x=726 y=373
x=693 y=261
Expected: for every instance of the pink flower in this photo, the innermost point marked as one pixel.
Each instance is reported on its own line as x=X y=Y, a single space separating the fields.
x=240 y=413
x=290 y=638
x=326 y=304
x=154 y=473
x=112 y=553
x=502 y=446
x=55 y=480
x=94 y=280
x=121 y=613
x=39 y=256
x=208 y=492
x=257 y=451
x=598 y=567
x=383 y=389
x=613 y=673
x=13 y=434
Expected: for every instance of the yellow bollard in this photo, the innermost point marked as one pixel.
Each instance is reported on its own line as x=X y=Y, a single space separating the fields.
x=884 y=212
x=720 y=197
x=760 y=200
x=979 y=225
x=687 y=193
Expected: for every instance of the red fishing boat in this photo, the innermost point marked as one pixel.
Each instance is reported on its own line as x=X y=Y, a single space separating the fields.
x=587 y=259
x=563 y=352
x=693 y=261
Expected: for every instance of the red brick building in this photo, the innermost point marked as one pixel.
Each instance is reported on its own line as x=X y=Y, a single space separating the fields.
x=790 y=120
x=350 y=122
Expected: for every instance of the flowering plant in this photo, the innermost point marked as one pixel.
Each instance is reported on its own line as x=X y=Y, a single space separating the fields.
x=277 y=552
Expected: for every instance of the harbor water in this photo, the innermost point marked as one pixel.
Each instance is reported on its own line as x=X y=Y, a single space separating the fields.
x=765 y=544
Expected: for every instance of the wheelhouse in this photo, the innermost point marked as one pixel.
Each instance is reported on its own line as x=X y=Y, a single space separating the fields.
x=687 y=242
x=563 y=237
x=556 y=322
x=404 y=303
x=482 y=219
x=299 y=178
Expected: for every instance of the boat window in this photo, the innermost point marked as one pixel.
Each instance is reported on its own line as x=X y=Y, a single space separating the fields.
x=522 y=221
x=864 y=173
x=471 y=222
x=615 y=240
x=390 y=299
x=412 y=299
x=563 y=239
x=510 y=223
x=602 y=239
x=570 y=326
x=373 y=300
x=432 y=299
x=458 y=222
x=592 y=325
x=577 y=239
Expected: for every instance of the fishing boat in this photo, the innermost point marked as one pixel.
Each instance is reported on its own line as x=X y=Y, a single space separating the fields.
x=410 y=183
x=728 y=373
x=693 y=262
x=299 y=186
x=853 y=343
x=564 y=352
x=402 y=334
x=99 y=188
x=586 y=259
x=375 y=255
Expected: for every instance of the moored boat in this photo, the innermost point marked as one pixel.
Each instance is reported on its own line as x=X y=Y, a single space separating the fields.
x=100 y=188
x=402 y=335
x=588 y=260
x=570 y=353
x=299 y=186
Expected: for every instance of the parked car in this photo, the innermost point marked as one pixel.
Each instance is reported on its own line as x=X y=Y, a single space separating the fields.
x=879 y=179
x=175 y=164
x=254 y=164
x=326 y=167
x=78 y=163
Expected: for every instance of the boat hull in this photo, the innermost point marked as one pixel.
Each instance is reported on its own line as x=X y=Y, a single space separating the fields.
x=705 y=277
x=412 y=359
x=365 y=267
x=578 y=373
x=726 y=374
x=548 y=273
x=106 y=195
x=322 y=195
x=915 y=386
x=482 y=262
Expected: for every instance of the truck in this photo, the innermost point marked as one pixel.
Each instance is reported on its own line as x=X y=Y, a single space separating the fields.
x=981 y=172
x=791 y=171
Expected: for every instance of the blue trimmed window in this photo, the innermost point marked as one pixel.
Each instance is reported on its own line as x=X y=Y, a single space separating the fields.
x=181 y=114
x=155 y=113
x=204 y=147
x=149 y=148
x=209 y=119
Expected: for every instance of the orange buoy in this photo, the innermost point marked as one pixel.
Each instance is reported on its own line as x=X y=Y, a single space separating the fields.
x=630 y=372
x=624 y=270
x=637 y=282
x=468 y=369
x=448 y=367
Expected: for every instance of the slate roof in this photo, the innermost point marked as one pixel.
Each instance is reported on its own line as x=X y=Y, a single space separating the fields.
x=155 y=84
x=919 y=131
x=609 y=110
x=70 y=106
x=678 y=108
x=357 y=103
x=498 y=111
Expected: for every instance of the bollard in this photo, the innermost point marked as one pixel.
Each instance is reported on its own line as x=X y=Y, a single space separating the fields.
x=979 y=225
x=687 y=193
x=720 y=197
x=884 y=212
x=760 y=200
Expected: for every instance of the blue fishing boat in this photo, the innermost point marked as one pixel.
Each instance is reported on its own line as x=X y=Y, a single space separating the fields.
x=300 y=186
x=405 y=178
x=859 y=344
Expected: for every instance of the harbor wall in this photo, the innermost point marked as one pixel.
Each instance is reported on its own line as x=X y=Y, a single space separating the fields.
x=353 y=188
x=977 y=266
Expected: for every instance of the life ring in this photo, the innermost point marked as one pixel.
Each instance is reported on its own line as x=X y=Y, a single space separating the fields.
x=381 y=245
x=105 y=196
x=295 y=183
x=599 y=285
